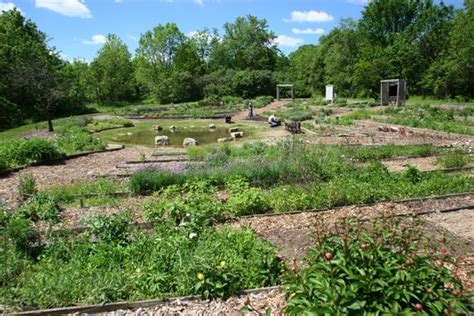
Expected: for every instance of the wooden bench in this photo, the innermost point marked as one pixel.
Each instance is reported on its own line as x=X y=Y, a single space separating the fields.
x=293 y=127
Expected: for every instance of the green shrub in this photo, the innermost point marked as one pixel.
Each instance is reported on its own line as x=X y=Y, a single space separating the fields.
x=105 y=228
x=232 y=100
x=29 y=151
x=19 y=231
x=27 y=186
x=192 y=206
x=41 y=206
x=169 y=263
x=243 y=199
x=73 y=139
x=3 y=164
x=453 y=159
x=387 y=267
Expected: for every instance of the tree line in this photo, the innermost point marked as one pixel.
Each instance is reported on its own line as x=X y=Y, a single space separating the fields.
x=426 y=43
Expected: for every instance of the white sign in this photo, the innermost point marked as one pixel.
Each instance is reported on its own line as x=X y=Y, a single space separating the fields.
x=329 y=93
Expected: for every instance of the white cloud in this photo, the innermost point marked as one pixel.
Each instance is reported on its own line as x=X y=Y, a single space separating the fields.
x=309 y=16
x=199 y=2
x=7 y=6
x=96 y=40
x=72 y=8
x=283 y=40
x=132 y=37
x=191 y=34
x=118 y=1
x=317 y=31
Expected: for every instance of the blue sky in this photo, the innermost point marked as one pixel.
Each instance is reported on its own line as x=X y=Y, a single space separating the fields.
x=77 y=27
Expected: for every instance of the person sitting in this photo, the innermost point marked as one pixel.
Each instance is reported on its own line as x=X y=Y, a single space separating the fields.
x=274 y=121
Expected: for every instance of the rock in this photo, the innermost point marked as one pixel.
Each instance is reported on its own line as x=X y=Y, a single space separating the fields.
x=189 y=142
x=162 y=140
x=157 y=128
x=234 y=129
x=129 y=134
x=212 y=126
x=225 y=140
x=114 y=146
x=237 y=134
x=173 y=128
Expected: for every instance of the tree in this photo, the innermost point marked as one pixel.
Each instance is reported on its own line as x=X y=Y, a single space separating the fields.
x=305 y=66
x=164 y=57
x=247 y=44
x=77 y=76
x=341 y=50
x=112 y=72
x=452 y=73
x=29 y=75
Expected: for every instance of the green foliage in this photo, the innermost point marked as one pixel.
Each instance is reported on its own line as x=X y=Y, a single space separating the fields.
x=27 y=186
x=18 y=231
x=41 y=207
x=243 y=199
x=111 y=72
x=107 y=229
x=426 y=116
x=73 y=139
x=454 y=159
x=386 y=267
x=105 y=124
x=29 y=151
x=168 y=263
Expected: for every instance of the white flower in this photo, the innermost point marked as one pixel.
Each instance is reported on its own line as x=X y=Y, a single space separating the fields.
x=192 y=235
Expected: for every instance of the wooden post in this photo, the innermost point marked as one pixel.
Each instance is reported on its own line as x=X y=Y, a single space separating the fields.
x=292 y=94
x=381 y=93
x=398 y=92
x=278 y=93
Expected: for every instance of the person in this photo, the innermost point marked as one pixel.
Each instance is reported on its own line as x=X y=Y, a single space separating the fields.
x=250 y=106
x=274 y=121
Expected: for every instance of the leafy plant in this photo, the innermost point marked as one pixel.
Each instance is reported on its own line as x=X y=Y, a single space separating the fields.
x=386 y=267
x=41 y=206
x=243 y=199
x=454 y=159
x=27 y=186
x=112 y=228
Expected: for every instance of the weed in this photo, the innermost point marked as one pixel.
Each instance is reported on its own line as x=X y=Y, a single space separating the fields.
x=454 y=159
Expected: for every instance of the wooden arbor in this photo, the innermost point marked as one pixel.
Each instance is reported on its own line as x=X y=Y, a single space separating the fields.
x=285 y=86
x=393 y=91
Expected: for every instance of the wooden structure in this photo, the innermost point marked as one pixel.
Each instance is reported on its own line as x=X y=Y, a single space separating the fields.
x=393 y=91
x=285 y=86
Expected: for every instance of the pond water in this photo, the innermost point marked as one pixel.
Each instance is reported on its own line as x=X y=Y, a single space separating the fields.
x=147 y=138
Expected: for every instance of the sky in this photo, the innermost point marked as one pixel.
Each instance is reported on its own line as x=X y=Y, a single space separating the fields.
x=77 y=28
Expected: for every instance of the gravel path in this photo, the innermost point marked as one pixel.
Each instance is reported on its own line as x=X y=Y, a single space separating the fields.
x=259 y=303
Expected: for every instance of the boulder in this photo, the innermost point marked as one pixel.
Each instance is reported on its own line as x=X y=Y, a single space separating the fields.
x=225 y=140
x=212 y=126
x=162 y=140
x=234 y=129
x=237 y=134
x=189 y=142
x=157 y=128
x=173 y=128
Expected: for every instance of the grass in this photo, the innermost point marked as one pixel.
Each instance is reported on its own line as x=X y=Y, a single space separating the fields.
x=429 y=117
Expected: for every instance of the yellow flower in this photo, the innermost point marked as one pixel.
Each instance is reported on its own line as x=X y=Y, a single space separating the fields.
x=200 y=276
x=222 y=264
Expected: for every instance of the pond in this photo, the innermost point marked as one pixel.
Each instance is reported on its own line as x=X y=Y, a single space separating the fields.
x=147 y=138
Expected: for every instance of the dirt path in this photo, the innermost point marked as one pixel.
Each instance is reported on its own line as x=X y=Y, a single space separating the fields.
x=79 y=169
x=272 y=106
